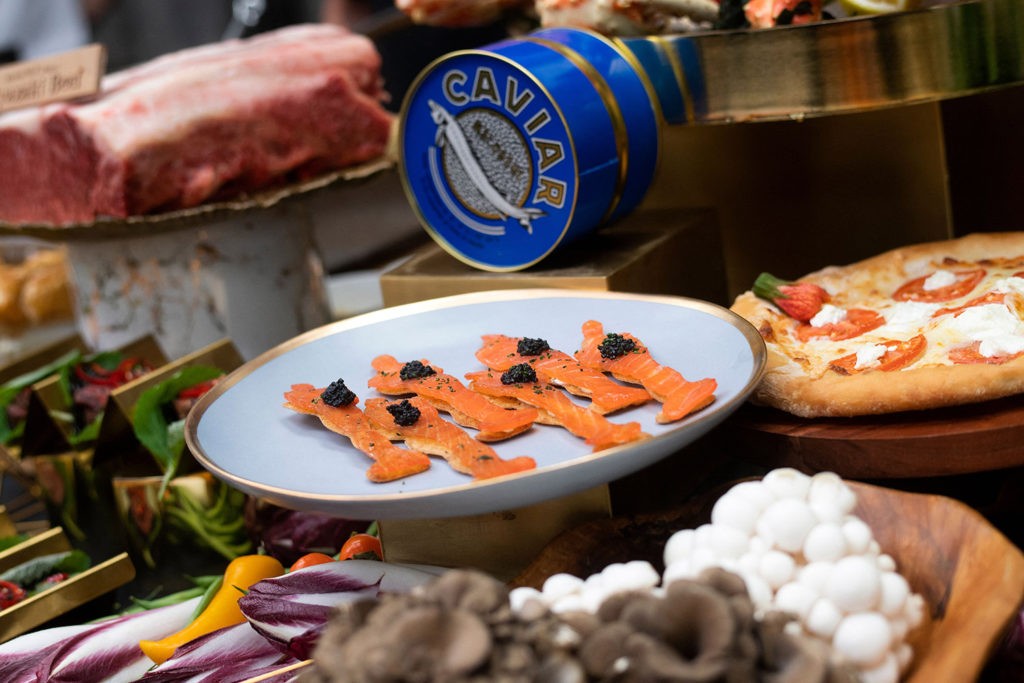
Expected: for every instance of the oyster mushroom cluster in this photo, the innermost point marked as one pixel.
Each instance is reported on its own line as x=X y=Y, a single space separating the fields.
x=461 y=627
x=697 y=631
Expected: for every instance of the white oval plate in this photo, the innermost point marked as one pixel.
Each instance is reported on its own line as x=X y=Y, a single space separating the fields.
x=243 y=434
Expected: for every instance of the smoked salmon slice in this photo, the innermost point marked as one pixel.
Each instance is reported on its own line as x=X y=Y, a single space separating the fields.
x=520 y=384
x=500 y=352
x=418 y=423
x=627 y=359
x=391 y=461
x=449 y=394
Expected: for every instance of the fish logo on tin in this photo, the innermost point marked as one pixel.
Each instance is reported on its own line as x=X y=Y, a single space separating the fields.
x=488 y=161
x=504 y=196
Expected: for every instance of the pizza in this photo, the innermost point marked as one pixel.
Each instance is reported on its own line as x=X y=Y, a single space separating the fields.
x=924 y=326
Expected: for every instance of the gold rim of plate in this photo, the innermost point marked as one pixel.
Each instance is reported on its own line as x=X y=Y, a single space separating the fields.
x=758 y=352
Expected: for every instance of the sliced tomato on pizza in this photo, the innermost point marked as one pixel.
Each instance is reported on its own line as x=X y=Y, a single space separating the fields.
x=914 y=290
x=971 y=354
x=987 y=298
x=857 y=322
x=897 y=355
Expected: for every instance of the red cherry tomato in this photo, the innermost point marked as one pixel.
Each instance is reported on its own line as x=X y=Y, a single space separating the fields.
x=363 y=547
x=10 y=594
x=196 y=391
x=311 y=559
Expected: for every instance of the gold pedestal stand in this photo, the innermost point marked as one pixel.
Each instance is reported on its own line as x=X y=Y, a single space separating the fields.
x=649 y=252
x=499 y=543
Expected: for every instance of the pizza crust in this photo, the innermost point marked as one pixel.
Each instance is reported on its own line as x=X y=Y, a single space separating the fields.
x=788 y=387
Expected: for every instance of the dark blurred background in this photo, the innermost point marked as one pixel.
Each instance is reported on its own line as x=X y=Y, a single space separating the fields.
x=135 y=31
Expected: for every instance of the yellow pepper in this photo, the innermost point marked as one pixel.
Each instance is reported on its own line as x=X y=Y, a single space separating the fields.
x=222 y=609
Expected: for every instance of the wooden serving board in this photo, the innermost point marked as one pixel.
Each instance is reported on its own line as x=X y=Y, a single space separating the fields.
x=965 y=439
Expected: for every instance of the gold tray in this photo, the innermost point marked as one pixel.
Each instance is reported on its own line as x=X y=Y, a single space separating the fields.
x=64 y=596
x=847 y=65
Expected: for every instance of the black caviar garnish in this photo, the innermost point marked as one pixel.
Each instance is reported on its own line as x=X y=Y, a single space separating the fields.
x=785 y=17
x=731 y=15
x=615 y=345
x=337 y=394
x=414 y=369
x=522 y=373
x=532 y=347
x=405 y=413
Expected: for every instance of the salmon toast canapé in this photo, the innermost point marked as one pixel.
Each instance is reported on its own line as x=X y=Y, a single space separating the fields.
x=520 y=384
x=336 y=408
x=417 y=422
x=500 y=352
x=449 y=394
x=627 y=359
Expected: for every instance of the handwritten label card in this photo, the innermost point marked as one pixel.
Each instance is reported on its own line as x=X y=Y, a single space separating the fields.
x=49 y=79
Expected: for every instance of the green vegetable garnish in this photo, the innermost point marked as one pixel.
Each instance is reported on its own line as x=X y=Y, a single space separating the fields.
x=166 y=441
x=30 y=572
x=11 y=541
x=12 y=387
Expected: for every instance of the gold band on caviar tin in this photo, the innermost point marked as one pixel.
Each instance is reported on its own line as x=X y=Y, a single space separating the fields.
x=633 y=102
x=672 y=55
x=645 y=79
x=614 y=111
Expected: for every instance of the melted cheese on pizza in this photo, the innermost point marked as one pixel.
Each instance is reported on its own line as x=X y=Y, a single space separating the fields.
x=987 y=317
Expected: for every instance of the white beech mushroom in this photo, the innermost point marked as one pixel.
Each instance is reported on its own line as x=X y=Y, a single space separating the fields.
x=798 y=547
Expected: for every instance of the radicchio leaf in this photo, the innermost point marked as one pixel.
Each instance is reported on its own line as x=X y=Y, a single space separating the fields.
x=292 y=610
x=106 y=651
x=229 y=655
x=28 y=658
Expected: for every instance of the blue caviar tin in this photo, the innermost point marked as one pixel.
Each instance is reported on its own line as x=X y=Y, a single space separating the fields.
x=675 y=69
x=664 y=69
x=516 y=149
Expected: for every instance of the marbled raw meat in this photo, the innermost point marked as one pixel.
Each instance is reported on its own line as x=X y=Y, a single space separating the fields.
x=204 y=123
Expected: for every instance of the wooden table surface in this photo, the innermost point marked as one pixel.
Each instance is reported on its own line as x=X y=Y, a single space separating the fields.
x=966 y=439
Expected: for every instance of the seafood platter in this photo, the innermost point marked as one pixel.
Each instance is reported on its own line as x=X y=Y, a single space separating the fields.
x=533 y=459
x=248 y=468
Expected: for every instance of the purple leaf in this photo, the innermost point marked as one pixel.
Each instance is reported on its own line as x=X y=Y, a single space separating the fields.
x=290 y=534
x=106 y=651
x=291 y=610
x=231 y=654
x=27 y=658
